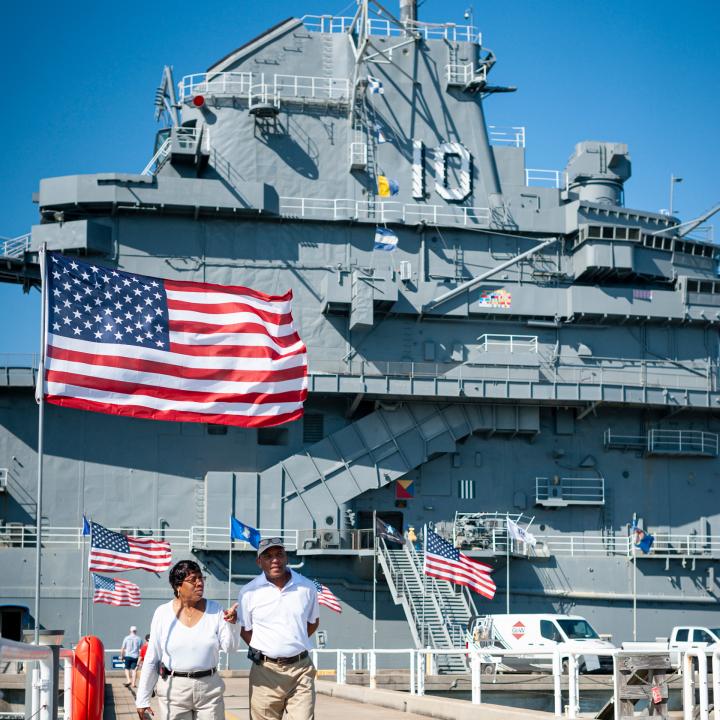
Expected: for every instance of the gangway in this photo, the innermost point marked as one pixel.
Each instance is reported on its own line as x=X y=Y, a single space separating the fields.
x=436 y=613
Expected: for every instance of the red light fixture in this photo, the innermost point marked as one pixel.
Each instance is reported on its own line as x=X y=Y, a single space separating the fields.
x=198 y=101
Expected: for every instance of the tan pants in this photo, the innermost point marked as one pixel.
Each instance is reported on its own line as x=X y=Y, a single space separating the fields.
x=189 y=699
x=276 y=689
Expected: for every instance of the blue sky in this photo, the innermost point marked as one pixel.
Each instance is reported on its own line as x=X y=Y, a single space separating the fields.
x=79 y=80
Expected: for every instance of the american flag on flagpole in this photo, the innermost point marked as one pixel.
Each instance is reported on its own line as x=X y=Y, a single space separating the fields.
x=445 y=562
x=113 y=591
x=129 y=344
x=326 y=597
x=112 y=551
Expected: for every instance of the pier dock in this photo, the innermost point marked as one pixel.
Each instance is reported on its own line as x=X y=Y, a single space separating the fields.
x=351 y=702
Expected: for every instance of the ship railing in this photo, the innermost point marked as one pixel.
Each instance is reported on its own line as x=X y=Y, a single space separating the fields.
x=218 y=538
x=513 y=135
x=682 y=442
x=378 y=211
x=459 y=73
x=509 y=343
x=315 y=88
x=219 y=83
x=250 y=85
x=324 y=539
x=14 y=247
x=562 y=491
x=546 y=178
x=385 y=28
x=158 y=159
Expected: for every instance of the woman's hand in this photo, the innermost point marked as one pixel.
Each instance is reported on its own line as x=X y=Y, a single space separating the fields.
x=141 y=712
x=231 y=614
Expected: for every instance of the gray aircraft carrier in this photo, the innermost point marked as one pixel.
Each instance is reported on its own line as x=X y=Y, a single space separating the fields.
x=532 y=349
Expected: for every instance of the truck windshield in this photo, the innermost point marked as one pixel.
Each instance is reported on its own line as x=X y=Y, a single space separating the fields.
x=715 y=632
x=577 y=629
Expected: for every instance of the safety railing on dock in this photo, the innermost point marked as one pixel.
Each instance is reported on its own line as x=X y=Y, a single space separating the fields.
x=44 y=694
x=421 y=662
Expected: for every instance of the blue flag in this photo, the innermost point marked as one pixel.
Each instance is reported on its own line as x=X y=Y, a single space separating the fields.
x=241 y=531
x=86 y=526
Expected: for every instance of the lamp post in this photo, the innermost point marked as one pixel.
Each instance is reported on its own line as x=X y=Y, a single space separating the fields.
x=673 y=180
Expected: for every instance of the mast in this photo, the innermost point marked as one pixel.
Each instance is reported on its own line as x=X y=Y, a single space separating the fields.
x=408 y=11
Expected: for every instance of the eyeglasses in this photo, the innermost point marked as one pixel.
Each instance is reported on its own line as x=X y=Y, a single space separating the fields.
x=196 y=579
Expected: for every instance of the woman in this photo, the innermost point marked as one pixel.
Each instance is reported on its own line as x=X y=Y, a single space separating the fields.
x=186 y=637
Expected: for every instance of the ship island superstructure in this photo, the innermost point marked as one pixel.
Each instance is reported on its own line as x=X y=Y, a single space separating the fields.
x=532 y=350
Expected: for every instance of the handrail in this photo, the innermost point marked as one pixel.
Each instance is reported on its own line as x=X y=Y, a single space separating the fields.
x=156 y=160
x=385 y=28
x=390 y=211
x=14 y=247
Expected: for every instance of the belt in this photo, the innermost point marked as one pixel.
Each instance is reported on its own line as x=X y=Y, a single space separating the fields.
x=287 y=660
x=194 y=675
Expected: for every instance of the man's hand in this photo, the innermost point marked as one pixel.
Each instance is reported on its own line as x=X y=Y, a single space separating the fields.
x=141 y=712
x=231 y=614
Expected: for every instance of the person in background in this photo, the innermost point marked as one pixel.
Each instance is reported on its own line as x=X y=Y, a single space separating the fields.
x=143 y=650
x=129 y=652
x=278 y=612
x=186 y=637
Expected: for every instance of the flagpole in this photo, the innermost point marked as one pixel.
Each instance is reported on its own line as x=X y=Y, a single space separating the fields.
x=40 y=392
x=82 y=583
x=634 y=593
x=230 y=574
x=374 y=598
x=422 y=639
x=507 y=566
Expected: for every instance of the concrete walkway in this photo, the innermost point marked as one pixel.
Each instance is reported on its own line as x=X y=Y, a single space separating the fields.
x=120 y=704
x=335 y=701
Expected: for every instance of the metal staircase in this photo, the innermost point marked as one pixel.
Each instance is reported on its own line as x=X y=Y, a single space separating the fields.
x=437 y=615
x=371 y=452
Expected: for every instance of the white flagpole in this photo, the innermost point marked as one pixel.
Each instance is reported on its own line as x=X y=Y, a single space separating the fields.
x=82 y=581
x=507 y=566
x=374 y=599
x=40 y=396
x=425 y=532
x=634 y=593
x=230 y=574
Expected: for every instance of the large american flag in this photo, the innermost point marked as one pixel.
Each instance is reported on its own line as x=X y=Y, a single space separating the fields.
x=129 y=344
x=445 y=562
x=112 y=551
x=326 y=597
x=113 y=591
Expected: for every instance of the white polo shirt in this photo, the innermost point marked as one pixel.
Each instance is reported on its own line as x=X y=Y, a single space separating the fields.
x=278 y=617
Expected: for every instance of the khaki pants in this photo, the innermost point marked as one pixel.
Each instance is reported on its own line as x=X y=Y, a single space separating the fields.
x=191 y=699
x=276 y=689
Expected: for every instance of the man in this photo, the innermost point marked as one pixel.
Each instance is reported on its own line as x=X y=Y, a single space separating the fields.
x=278 y=612
x=129 y=652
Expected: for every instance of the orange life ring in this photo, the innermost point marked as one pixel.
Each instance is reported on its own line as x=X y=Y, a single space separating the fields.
x=88 y=681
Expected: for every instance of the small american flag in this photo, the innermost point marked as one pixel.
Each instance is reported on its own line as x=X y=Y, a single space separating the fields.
x=113 y=591
x=112 y=551
x=326 y=597
x=445 y=562
x=128 y=344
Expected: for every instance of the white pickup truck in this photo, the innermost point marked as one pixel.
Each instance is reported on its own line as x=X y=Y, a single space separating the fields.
x=682 y=638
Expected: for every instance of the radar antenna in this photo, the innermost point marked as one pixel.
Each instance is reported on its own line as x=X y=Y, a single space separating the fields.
x=165 y=101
